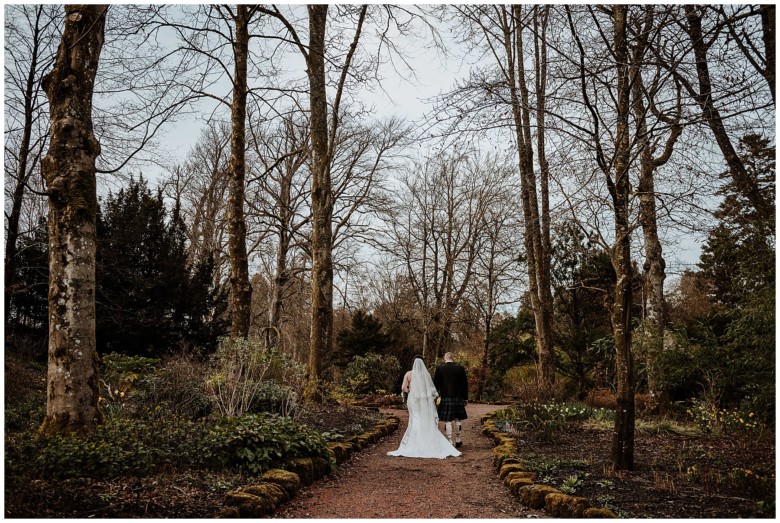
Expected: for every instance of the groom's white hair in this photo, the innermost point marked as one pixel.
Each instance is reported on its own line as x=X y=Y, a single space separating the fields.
x=448 y=357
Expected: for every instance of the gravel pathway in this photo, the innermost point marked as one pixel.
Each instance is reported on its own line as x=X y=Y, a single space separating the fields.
x=375 y=485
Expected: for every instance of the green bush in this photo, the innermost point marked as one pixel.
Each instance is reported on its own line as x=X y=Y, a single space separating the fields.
x=371 y=373
x=275 y=398
x=256 y=443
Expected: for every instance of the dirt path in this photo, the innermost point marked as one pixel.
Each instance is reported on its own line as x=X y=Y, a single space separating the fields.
x=375 y=485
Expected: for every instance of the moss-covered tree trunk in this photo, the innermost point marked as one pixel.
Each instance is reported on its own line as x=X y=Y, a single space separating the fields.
x=69 y=171
x=240 y=288
x=321 y=341
x=623 y=439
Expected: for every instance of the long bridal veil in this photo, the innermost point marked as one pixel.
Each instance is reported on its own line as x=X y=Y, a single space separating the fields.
x=422 y=438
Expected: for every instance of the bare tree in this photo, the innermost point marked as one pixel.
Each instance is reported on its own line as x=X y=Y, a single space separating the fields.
x=30 y=43
x=504 y=33
x=199 y=187
x=706 y=97
x=280 y=201
x=616 y=168
x=323 y=134
x=497 y=271
x=69 y=170
x=435 y=229
x=654 y=124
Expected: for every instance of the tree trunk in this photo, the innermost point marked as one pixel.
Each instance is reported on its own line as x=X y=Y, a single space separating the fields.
x=69 y=171
x=655 y=266
x=22 y=173
x=623 y=440
x=746 y=184
x=240 y=288
x=280 y=282
x=768 y=30
x=321 y=341
x=538 y=258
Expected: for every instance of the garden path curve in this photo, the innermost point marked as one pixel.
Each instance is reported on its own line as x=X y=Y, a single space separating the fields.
x=374 y=485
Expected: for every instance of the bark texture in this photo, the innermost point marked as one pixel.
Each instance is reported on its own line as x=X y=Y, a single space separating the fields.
x=69 y=171
x=240 y=288
x=321 y=341
x=619 y=187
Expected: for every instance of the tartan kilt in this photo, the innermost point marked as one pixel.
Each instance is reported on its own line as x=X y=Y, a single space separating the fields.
x=451 y=409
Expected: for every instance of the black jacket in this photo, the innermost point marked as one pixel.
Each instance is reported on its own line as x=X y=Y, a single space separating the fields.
x=450 y=380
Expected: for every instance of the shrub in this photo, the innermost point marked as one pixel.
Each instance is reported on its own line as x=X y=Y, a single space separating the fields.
x=256 y=443
x=275 y=398
x=712 y=420
x=372 y=373
x=240 y=369
x=177 y=387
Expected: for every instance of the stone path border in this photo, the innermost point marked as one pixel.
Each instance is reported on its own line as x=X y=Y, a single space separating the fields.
x=512 y=470
x=278 y=485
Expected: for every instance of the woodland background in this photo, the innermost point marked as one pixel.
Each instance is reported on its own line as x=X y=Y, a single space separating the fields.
x=292 y=262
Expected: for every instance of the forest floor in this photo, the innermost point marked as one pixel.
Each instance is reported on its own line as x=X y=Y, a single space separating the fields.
x=675 y=475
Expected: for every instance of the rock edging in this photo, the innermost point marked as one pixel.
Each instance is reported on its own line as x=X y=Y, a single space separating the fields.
x=520 y=481
x=279 y=485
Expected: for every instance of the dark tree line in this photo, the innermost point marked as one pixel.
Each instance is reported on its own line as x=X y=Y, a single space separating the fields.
x=150 y=299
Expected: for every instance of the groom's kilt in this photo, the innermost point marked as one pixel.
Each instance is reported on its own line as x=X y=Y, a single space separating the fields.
x=451 y=408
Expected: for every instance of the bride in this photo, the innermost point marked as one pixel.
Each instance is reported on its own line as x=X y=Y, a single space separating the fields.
x=422 y=438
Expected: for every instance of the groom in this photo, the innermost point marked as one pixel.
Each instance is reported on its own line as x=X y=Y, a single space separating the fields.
x=450 y=380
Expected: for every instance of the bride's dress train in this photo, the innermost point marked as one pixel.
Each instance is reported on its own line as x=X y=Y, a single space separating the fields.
x=422 y=438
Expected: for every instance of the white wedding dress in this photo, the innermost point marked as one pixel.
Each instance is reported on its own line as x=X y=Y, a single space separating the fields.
x=422 y=438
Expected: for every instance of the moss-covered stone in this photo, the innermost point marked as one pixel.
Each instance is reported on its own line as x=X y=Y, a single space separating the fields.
x=249 y=505
x=506 y=468
x=289 y=481
x=340 y=451
x=502 y=452
x=321 y=466
x=228 y=513
x=268 y=490
x=532 y=496
x=304 y=468
x=516 y=484
x=565 y=506
x=519 y=474
x=599 y=513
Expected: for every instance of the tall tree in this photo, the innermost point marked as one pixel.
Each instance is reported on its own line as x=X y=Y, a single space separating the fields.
x=69 y=170
x=616 y=169
x=514 y=35
x=654 y=124
x=241 y=290
x=323 y=140
x=620 y=190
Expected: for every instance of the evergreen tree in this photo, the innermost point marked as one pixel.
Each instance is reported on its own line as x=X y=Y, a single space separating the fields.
x=738 y=260
x=582 y=278
x=363 y=336
x=29 y=299
x=148 y=297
